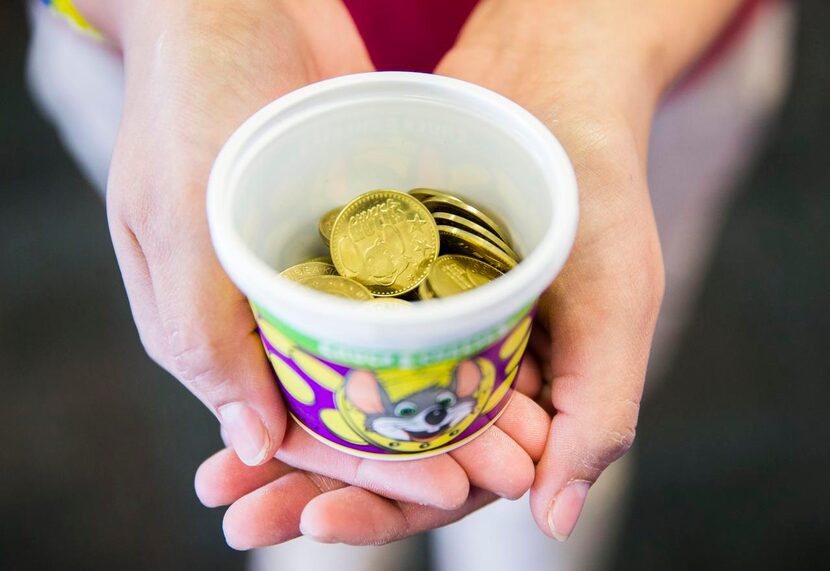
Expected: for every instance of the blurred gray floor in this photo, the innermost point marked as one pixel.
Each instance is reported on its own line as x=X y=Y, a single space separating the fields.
x=100 y=445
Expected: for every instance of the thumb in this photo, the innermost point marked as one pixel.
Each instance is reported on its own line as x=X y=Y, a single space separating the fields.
x=601 y=337
x=200 y=328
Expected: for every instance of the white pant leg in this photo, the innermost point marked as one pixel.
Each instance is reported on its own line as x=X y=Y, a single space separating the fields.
x=703 y=141
x=304 y=554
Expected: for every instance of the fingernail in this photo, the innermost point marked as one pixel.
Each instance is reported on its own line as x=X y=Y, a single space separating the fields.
x=310 y=534
x=223 y=433
x=566 y=508
x=246 y=432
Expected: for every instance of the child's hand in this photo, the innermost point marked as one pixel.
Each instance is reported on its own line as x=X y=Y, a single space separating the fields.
x=195 y=71
x=276 y=502
x=594 y=328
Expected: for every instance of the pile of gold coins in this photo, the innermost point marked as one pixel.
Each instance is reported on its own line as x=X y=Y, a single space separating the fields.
x=391 y=247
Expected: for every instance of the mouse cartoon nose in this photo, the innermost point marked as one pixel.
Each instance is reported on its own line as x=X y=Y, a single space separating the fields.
x=436 y=416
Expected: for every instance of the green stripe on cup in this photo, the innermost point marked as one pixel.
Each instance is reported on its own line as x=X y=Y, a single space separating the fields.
x=379 y=359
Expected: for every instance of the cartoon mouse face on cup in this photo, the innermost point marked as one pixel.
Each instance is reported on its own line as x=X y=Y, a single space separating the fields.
x=418 y=416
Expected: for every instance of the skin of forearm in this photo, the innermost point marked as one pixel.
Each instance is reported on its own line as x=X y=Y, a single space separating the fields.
x=650 y=41
x=625 y=53
x=653 y=40
x=604 y=60
x=669 y=35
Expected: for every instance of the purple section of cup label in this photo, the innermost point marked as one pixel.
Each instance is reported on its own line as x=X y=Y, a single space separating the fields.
x=400 y=412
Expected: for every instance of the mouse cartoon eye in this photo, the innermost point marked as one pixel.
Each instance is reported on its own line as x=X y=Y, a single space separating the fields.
x=406 y=409
x=446 y=399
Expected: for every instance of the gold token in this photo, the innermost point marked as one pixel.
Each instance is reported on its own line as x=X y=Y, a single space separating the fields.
x=409 y=296
x=424 y=293
x=438 y=200
x=339 y=286
x=457 y=241
x=385 y=240
x=309 y=269
x=451 y=275
x=424 y=193
x=446 y=219
x=324 y=259
x=326 y=224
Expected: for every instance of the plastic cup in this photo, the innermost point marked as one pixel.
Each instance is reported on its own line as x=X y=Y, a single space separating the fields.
x=404 y=382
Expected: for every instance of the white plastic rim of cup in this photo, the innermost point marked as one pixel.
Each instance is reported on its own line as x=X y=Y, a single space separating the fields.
x=321 y=145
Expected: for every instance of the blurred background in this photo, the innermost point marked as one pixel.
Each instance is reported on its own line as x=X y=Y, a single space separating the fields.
x=100 y=446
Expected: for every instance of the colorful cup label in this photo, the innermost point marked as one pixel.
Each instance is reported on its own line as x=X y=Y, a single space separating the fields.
x=394 y=410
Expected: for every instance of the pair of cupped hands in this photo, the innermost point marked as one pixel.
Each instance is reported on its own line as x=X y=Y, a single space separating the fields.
x=194 y=74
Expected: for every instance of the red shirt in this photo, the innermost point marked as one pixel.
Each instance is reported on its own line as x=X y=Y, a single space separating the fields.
x=417 y=33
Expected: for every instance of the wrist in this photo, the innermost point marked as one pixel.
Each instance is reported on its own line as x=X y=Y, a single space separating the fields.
x=652 y=43
x=564 y=44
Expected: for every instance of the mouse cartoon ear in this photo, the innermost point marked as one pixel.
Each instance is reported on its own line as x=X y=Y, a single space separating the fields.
x=364 y=391
x=466 y=378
